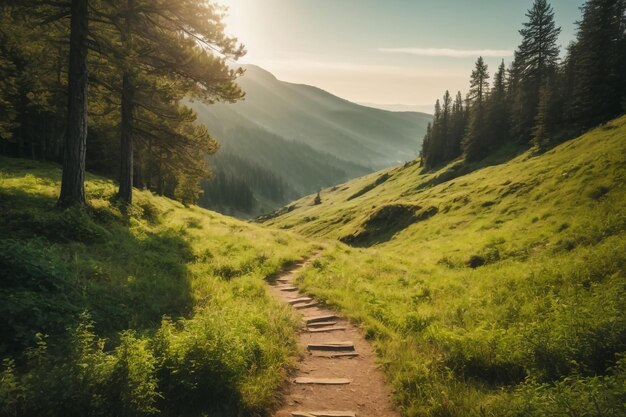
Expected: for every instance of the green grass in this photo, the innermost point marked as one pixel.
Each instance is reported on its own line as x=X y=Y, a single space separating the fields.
x=491 y=290
x=509 y=300
x=158 y=311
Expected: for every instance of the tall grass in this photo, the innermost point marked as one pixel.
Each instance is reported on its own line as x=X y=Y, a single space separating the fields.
x=510 y=301
x=155 y=310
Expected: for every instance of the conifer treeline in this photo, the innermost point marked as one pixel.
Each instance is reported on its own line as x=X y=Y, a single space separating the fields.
x=234 y=180
x=124 y=67
x=538 y=100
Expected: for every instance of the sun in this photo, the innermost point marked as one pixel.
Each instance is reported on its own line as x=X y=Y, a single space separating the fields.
x=235 y=21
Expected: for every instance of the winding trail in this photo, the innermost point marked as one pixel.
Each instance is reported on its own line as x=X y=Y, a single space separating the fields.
x=337 y=375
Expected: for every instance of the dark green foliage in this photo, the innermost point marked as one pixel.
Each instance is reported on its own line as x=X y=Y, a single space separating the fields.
x=475 y=261
x=539 y=101
x=475 y=143
x=36 y=292
x=547 y=115
x=226 y=190
x=479 y=84
x=139 y=73
x=442 y=142
x=243 y=186
x=535 y=59
x=599 y=57
x=498 y=112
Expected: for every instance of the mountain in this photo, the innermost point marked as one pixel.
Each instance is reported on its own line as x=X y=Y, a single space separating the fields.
x=422 y=108
x=498 y=289
x=306 y=137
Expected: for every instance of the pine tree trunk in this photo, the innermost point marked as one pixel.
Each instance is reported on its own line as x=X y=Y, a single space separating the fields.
x=73 y=180
x=150 y=165
x=126 y=148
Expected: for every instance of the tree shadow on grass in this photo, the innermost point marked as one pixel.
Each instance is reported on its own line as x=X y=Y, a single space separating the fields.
x=460 y=168
x=386 y=222
x=57 y=263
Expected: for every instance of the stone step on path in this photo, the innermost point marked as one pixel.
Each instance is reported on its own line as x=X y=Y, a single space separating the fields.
x=334 y=355
x=322 y=381
x=333 y=350
x=323 y=414
x=300 y=300
x=305 y=306
x=325 y=318
x=338 y=373
x=326 y=329
x=331 y=346
x=321 y=324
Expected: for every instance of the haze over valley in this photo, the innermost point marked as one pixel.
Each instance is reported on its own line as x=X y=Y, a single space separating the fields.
x=302 y=138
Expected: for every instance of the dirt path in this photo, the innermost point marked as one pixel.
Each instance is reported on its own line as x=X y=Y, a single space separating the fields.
x=337 y=375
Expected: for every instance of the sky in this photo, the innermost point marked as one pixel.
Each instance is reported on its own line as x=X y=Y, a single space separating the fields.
x=384 y=52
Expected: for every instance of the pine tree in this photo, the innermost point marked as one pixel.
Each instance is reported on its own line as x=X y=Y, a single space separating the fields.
x=600 y=62
x=167 y=40
x=318 y=199
x=458 y=125
x=425 y=155
x=446 y=128
x=497 y=118
x=474 y=143
x=73 y=178
x=546 y=119
x=535 y=59
x=436 y=134
x=479 y=84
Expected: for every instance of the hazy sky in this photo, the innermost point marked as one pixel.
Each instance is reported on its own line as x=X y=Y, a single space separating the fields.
x=384 y=51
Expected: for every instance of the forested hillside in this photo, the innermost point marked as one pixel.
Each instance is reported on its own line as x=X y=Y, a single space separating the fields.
x=305 y=136
x=540 y=100
x=100 y=85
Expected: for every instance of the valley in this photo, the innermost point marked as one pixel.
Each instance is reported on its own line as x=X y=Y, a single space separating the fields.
x=304 y=137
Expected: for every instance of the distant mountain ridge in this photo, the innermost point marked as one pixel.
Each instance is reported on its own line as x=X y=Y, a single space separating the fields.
x=306 y=136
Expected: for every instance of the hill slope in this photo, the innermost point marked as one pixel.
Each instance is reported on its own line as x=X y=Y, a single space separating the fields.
x=308 y=137
x=501 y=292
x=162 y=311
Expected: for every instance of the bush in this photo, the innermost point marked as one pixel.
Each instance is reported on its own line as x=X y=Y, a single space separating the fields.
x=37 y=294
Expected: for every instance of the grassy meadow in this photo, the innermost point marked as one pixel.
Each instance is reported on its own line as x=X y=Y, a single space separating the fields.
x=496 y=289
x=160 y=310
x=490 y=290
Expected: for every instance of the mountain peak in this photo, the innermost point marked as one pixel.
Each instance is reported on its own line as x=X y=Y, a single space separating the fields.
x=256 y=72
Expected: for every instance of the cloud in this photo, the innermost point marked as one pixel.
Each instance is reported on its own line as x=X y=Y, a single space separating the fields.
x=450 y=52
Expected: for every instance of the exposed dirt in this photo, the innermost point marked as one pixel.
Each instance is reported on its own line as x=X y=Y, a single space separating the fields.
x=366 y=395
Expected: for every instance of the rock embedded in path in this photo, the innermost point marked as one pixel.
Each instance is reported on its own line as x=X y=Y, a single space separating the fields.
x=331 y=346
x=322 y=381
x=327 y=329
x=323 y=414
x=317 y=319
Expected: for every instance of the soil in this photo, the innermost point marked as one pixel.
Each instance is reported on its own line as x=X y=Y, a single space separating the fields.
x=366 y=395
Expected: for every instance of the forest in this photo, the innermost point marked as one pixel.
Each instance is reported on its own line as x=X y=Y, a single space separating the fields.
x=539 y=100
x=98 y=85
